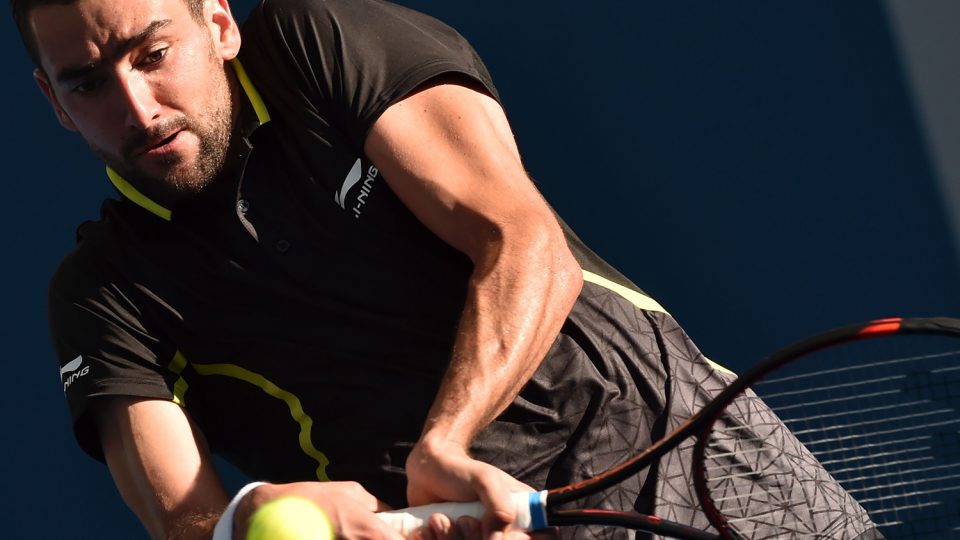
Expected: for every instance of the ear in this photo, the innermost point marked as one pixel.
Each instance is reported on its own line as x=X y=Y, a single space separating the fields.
x=44 y=83
x=226 y=31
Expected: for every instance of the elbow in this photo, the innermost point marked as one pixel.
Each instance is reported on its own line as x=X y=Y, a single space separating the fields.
x=555 y=258
x=569 y=276
x=531 y=247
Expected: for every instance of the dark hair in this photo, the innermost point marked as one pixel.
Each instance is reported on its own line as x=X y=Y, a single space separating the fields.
x=21 y=15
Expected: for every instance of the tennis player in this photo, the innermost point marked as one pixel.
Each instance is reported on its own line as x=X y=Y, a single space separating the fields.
x=327 y=263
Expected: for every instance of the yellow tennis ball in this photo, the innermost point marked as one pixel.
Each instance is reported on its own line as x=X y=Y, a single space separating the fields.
x=289 y=518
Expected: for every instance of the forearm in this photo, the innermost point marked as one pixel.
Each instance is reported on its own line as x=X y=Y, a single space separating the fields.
x=449 y=155
x=519 y=295
x=193 y=527
x=161 y=466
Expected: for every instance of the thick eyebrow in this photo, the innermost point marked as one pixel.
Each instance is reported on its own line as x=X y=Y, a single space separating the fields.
x=69 y=74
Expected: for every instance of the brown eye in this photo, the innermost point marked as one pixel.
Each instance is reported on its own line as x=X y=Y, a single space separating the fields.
x=154 y=57
x=88 y=86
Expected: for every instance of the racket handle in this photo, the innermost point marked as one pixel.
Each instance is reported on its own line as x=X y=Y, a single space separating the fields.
x=531 y=508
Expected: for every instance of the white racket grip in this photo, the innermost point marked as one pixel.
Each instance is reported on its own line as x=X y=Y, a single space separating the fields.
x=531 y=510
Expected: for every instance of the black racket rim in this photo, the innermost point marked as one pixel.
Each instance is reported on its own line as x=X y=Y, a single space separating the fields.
x=704 y=418
x=944 y=326
x=627 y=520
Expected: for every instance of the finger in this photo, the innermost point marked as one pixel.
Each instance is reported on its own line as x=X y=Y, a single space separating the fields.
x=381 y=506
x=387 y=532
x=517 y=485
x=469 y=528
x=441 y=527
x=493 y=487
x=424 y=533
x=356 y=491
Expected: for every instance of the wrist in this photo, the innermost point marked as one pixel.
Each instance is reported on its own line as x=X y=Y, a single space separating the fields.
x=436 y=442
x=238 y=510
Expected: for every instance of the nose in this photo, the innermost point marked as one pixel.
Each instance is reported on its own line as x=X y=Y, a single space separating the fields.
x=139 y=100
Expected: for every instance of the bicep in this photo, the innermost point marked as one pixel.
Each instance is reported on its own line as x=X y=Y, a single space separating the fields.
x=160 y=464
x=448 y=153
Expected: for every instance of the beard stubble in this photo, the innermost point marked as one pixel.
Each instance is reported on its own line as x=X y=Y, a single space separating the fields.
x=213 y=129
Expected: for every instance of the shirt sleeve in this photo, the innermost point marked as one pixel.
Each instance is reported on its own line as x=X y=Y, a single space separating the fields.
x=347 y=61
x=103 y=347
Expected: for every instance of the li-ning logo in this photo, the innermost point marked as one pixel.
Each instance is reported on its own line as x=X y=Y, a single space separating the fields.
x=71 y=372
x=352 y=179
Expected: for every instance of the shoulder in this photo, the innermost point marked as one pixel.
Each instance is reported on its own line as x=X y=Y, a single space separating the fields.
x=80 y=263
x=351 y=33
x=346 y=61
x=78 y=287
x=326 y=14
x=89 y=266
x=368 y=38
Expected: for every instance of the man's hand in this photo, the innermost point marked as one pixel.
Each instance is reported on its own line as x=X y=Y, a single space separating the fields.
x=349 y=507
x=445 y=472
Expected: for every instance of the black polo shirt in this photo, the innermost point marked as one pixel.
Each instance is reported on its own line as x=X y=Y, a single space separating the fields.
x=297 y=310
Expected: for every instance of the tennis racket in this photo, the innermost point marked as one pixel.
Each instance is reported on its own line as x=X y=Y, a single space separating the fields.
x=871 y=407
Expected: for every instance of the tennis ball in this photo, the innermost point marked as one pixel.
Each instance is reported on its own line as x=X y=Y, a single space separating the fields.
x=289 y=518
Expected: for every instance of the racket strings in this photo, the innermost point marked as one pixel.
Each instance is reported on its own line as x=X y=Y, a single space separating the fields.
x=880 y=364
x=851 y=426
x=825 y=429
x=834 y=401
x=884 y=425
x=914 y=492
x=845 y=415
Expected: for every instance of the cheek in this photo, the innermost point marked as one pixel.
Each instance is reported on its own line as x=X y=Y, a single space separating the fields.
x=99 y=125
x=190 y=85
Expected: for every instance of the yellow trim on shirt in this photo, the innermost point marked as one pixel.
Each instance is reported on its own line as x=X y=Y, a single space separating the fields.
x=180 y=387
x=134 y=195
x=252 y=94
x=641 y=301
x=179 y=362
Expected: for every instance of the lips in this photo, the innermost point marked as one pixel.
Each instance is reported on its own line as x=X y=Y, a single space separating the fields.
x=158 y=145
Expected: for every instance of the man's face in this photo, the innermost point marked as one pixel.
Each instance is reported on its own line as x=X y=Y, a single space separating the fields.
x=144 y=84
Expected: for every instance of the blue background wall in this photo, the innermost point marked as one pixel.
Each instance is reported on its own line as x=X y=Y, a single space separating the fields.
x=758 y=167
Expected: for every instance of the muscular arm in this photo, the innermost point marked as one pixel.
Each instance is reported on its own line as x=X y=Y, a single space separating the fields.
x=161 y=466
x=165 y=474
x=448 y=153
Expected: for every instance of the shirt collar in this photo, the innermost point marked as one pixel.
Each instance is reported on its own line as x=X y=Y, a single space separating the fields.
x=248 y=123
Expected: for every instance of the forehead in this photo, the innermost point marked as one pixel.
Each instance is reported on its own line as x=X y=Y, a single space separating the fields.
x=86 y=30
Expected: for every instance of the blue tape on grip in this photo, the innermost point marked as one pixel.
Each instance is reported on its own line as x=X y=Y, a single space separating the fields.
x=538 y=510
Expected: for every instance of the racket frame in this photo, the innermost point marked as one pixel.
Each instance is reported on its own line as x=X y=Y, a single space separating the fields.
x=700 y=424
x=847 y=334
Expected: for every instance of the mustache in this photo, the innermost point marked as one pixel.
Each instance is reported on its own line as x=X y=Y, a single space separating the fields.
x=139 y=140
